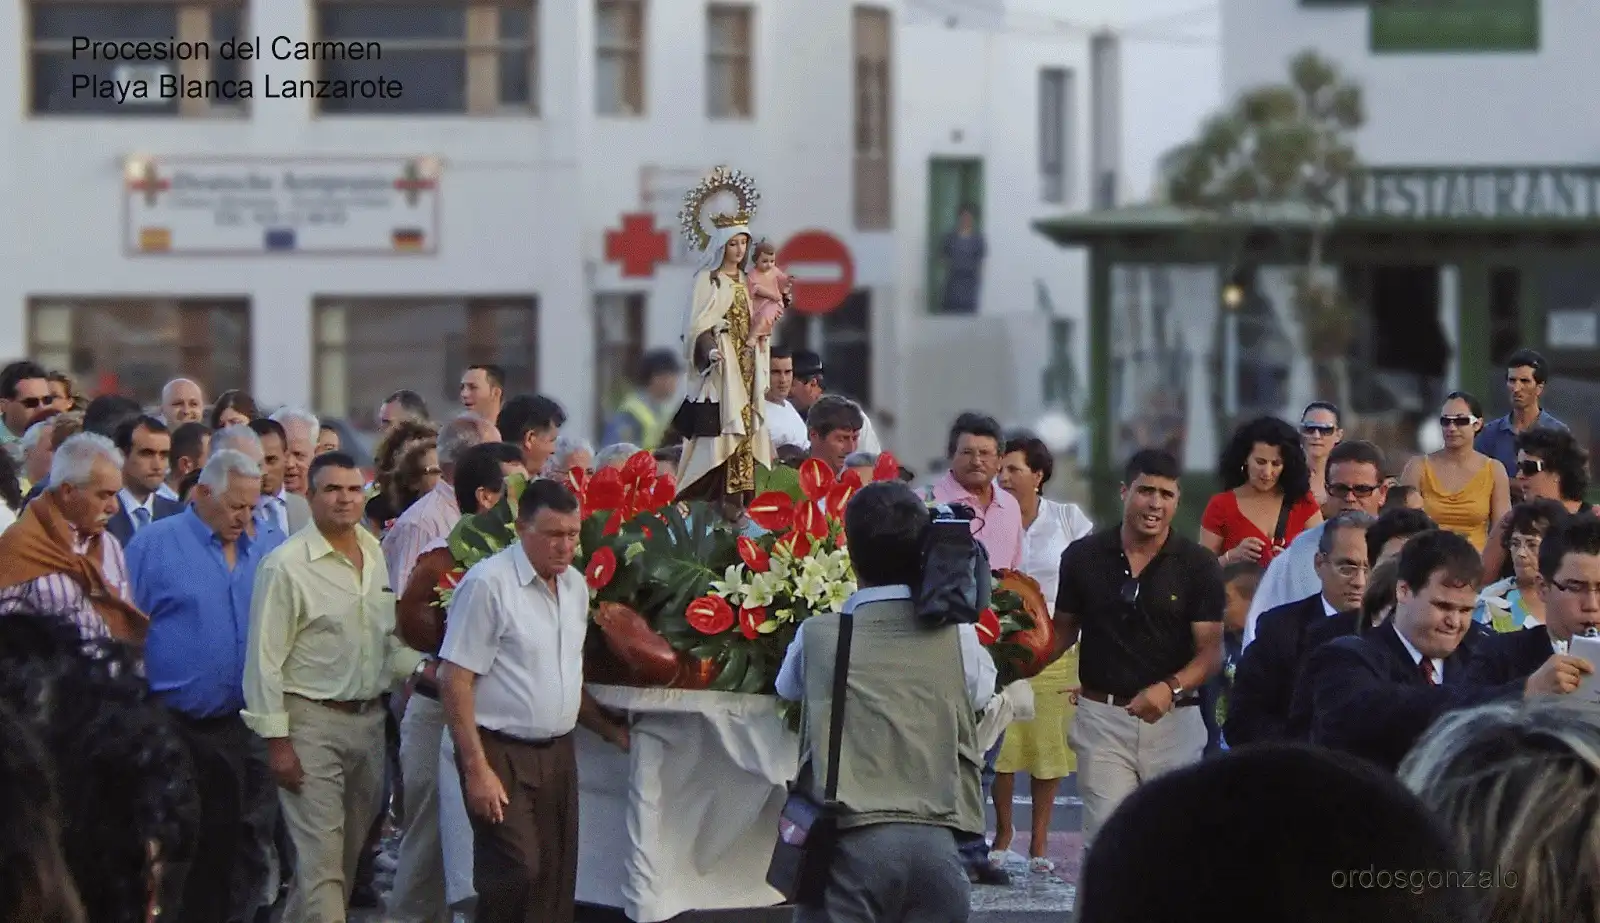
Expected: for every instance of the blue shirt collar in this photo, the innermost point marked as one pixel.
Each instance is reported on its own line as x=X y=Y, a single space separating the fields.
x=203 y=534
x=875 y=594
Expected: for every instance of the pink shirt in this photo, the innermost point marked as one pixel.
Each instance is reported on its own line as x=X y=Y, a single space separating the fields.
x=766 y=291
x=998 y=528
x=431 y=518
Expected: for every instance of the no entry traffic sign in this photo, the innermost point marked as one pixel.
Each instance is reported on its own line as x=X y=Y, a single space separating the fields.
x=820 y=266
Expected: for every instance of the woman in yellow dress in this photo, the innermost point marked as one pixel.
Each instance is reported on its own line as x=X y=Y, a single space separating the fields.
x=1462 y=489
x=1038 y=747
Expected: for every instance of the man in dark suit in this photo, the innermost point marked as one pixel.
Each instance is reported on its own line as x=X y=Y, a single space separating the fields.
x=145 y=445
x=1569 y=562
x=1375 y=694
x=1263 y=684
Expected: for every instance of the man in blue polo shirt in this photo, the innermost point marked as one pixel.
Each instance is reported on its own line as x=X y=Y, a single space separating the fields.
x=1526 y=372
x=193 y=573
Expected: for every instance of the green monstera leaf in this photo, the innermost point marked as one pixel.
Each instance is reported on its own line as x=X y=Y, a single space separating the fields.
x=484 y=534
x=682 y=555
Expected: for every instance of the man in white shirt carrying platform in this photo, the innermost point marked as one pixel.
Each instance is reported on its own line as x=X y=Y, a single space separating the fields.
x=512 y=687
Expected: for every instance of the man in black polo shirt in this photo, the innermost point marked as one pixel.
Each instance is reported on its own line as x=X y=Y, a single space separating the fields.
x=1147 y=604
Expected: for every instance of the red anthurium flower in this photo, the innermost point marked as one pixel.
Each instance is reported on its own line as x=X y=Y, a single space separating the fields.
x=754 y=556
x=604 y=490
x=815 y=479
x=602 y=567
x=887 y=468
x=750 y=620
x=577 y=480
x=773 y=511
x=639 y=468
x=663 y=491
x=810 y=519
x=634 y=501
x=840 y=496
x=988 y=627
x=798 y=543
x=852 y=477
x=452 y=578
x=613 y=523
x=710 y=615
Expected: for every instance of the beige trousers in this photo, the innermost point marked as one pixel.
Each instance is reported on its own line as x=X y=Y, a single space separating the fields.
x=342 y=756
x=418 y=895
x=1117 y=752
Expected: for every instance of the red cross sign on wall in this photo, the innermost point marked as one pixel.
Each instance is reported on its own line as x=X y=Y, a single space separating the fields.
x=149 y=182
x=638 y=247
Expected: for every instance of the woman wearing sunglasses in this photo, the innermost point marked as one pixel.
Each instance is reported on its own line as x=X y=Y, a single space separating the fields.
x=1550 y=466
x=1319 y=433
x=1461 y=490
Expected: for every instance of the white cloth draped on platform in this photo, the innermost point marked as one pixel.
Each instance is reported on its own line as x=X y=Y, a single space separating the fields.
x=687 y=819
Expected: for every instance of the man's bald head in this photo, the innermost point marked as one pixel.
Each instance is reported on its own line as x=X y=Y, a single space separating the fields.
x=182 y=402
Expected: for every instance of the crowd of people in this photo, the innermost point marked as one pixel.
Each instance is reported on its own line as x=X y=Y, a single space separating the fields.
x=224 y=672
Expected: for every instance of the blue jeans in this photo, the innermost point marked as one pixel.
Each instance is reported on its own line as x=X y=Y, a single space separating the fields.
x=975 y=846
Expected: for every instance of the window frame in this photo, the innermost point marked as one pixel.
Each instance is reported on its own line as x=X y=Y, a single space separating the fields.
x=478 y=345
x=628 y=54
x=872 y=101
x=626 y=354
x=1055 y=172
x=194 y=358
x=739 y=61
x=482 y=47
x=194 y=24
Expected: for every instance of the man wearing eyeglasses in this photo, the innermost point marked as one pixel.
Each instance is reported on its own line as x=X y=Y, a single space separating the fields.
x=1355 y=484
x=24 y=398
x=1264 y=682
x=1148 y=604
x=1526 y=372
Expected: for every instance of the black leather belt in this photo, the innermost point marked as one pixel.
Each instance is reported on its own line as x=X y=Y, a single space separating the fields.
x=512 y=739
x=1106 y=698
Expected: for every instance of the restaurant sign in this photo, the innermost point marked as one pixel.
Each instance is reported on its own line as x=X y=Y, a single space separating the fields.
x=1476 y=193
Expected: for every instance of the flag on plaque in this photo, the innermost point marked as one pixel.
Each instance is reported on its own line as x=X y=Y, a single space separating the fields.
x=155 y=239
x=409 y=239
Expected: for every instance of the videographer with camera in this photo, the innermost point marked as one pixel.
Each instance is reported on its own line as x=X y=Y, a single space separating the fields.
x=870 y=833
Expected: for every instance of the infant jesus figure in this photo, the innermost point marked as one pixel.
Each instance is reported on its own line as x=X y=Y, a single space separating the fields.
x=771 y=292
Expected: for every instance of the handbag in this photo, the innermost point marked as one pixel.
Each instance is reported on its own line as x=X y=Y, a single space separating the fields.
x=808 y=832
x=1282 y=530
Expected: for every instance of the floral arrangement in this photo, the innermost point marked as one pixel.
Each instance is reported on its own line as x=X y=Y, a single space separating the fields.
x=684 y=598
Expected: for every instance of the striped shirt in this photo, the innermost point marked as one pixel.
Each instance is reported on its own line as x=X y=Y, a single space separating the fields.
x=60 y=593
x=428 y=520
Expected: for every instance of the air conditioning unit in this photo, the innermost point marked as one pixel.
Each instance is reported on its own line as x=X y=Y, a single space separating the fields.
x=148 y=74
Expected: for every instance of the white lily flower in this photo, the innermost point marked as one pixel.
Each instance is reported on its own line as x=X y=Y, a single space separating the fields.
x=732 y=586
x=762 y=590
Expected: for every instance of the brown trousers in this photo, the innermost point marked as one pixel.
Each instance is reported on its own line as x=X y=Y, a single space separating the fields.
x=525 y=868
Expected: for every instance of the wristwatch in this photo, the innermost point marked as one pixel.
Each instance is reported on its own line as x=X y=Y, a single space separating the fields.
x=1175 y=686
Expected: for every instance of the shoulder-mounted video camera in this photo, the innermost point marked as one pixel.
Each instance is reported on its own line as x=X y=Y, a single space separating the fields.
x=956 y=584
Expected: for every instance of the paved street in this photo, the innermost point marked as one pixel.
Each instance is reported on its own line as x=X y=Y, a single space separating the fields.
x=1029 y=894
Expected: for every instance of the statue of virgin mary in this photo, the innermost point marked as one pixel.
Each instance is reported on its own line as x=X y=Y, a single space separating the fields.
x=722 y=420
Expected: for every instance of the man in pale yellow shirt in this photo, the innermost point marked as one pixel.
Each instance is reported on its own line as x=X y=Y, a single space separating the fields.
x=322 y=650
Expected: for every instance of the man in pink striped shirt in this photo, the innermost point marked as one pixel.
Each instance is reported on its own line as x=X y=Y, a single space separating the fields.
x=974 y=450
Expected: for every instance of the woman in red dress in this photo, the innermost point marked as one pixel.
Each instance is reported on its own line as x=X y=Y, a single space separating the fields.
x=1266 y=500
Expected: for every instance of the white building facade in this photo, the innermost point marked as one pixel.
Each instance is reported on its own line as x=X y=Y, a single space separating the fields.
x=534 y=136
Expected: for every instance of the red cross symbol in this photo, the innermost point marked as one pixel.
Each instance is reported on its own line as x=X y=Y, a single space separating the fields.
x=413 y=183
x=638 y=246
x=150 y=183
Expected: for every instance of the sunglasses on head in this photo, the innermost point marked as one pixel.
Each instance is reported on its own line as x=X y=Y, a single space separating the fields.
x=1528 y=467
x=1461 y=421
x=1317 y=429
x=1343 y=491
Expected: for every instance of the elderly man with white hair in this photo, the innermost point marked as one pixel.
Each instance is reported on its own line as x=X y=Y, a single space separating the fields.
x=571 y=452
x=58 y=556
x=182 y=402
x=300 y=430
x=193 y=573
x=615 y=455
